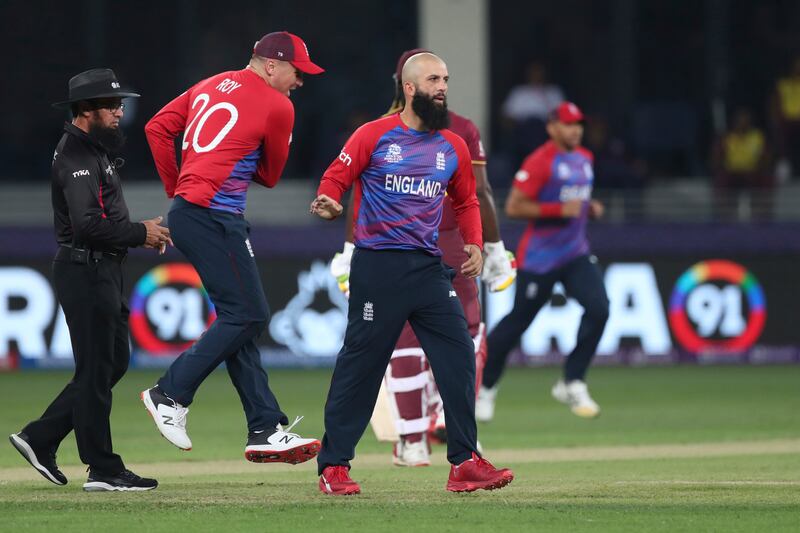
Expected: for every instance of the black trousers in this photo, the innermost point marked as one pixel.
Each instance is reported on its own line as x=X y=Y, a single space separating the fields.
x=97 y=316
x=388 y=288
x=583 y=281
x=216 y=243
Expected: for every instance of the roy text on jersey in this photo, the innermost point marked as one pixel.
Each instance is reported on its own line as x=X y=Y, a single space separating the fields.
x=227 y=86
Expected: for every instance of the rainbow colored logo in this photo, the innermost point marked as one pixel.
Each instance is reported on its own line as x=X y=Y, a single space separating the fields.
x=720 y=271
x=163 y=275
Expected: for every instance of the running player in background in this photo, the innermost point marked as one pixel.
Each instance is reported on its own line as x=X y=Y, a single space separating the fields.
x=401 y=166
x=414 y=406
x=553 y=189
x=236 y=128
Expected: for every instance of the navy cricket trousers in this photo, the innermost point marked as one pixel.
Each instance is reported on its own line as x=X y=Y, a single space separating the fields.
x=93 y=298
x=388 y=287
x=582 y=280
x=217 y=244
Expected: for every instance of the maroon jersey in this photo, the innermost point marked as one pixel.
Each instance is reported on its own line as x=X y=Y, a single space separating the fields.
x=467 y=130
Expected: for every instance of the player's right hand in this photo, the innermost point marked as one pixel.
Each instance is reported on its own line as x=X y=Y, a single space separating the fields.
x=571 y=208
x=340 y=267
x=326 y=207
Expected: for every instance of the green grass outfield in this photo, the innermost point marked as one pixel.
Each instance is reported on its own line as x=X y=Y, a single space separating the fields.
x=676 y=449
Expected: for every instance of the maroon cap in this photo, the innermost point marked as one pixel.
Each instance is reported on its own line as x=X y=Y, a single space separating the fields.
x=286 y=46
x=404 y=57
x=567 y=112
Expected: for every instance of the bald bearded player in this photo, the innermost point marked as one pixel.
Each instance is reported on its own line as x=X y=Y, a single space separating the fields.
x=401 y=166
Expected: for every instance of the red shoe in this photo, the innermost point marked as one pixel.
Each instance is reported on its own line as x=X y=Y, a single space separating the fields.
x=336 y=480
x=477 y=473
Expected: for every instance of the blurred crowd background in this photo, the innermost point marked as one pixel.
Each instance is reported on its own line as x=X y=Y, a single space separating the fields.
x=692 y=102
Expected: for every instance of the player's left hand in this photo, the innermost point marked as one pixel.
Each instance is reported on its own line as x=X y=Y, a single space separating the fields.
x=596 y=209
x=326 y=207
x=499 y=267
x=473 y=265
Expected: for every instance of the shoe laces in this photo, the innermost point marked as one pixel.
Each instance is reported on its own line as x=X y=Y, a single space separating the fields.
x=579 y=392
x=127 y=474
x=339 y=473
x=180 y=415
x=290 y=426
x=479 y=461
x=180 y=412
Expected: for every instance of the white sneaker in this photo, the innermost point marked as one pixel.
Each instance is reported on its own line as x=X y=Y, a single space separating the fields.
x=576 y=395
x=280 y=446
x=411 y=453
x=169 y=416
x=484 y=404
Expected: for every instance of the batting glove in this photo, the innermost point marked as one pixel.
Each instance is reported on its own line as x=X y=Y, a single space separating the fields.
x=340 y=267
x=499 y=267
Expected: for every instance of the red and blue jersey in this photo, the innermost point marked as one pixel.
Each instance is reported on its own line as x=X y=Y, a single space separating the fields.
x=550 y=176
x=401 y=176
x=236 y=129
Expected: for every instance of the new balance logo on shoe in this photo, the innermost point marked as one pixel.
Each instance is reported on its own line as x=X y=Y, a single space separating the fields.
x=280 y=446
x=169 y=417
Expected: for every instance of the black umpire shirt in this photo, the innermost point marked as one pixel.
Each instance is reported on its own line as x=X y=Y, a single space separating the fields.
x=89 y=210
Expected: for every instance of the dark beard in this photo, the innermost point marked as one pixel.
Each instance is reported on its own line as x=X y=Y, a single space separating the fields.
x=111 y=139
x=433 y=115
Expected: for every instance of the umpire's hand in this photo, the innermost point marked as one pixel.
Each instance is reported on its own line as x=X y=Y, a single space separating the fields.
x=474 y=264
x=157 y=235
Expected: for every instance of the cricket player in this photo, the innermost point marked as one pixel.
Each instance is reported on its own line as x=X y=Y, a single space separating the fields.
x=236 y=129
x=402 y=165
x=553 y=190
x=414 y=405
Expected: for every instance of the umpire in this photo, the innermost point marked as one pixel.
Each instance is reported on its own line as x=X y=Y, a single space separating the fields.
x=94 y=232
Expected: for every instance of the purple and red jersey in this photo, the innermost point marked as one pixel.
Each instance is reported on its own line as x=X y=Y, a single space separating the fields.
x=401 y=176
x=551 y=177
x=237 y=129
